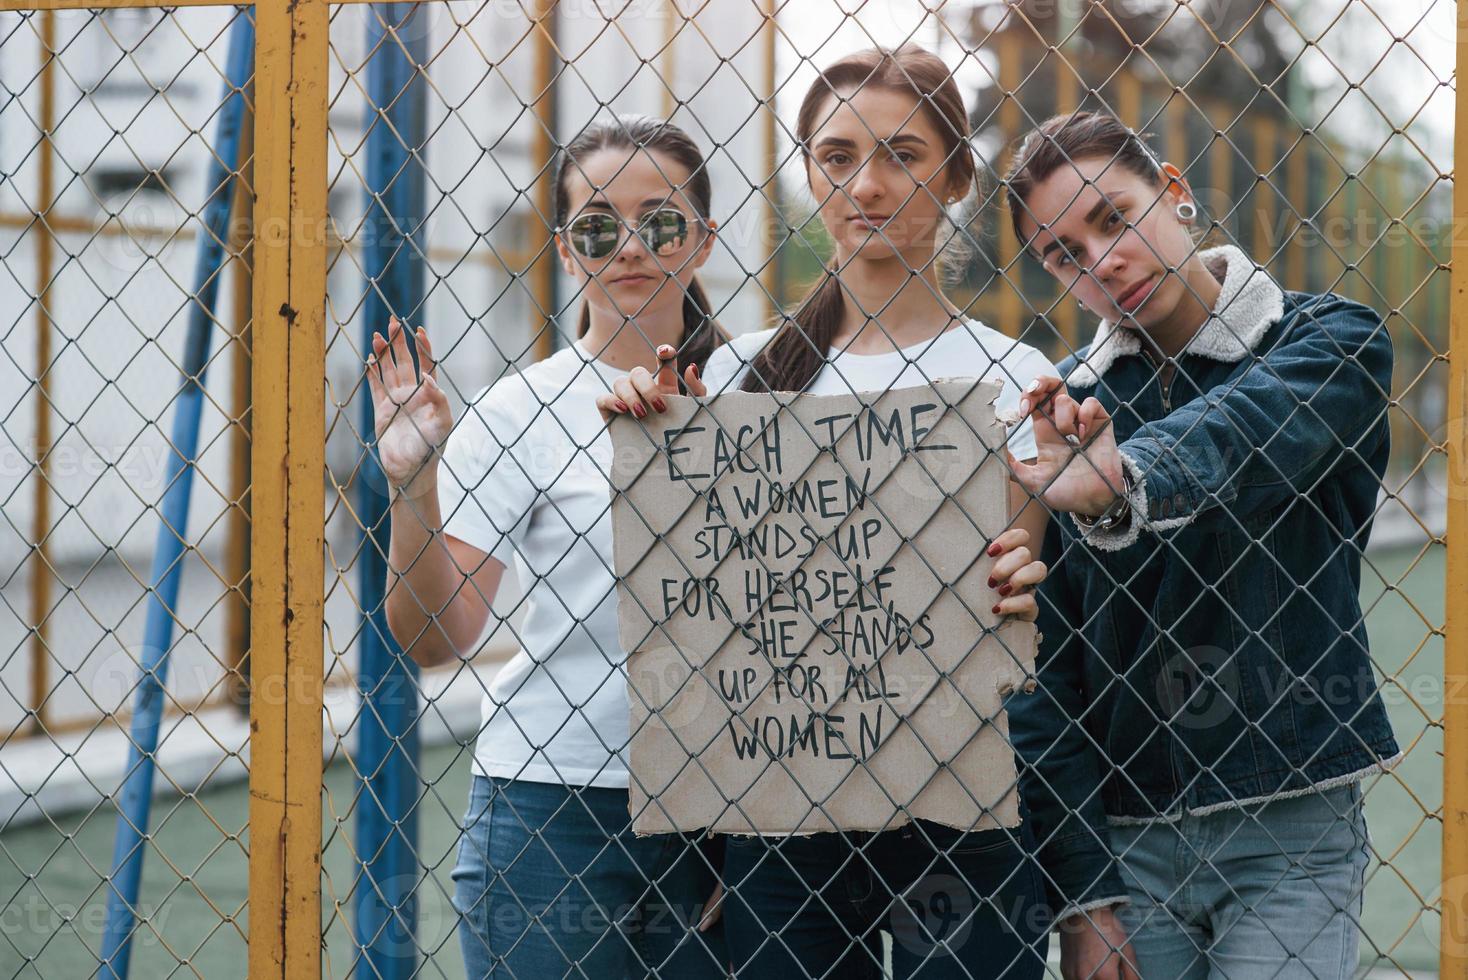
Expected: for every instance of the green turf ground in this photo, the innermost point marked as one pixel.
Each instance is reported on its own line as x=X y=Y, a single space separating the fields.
x=51 y=896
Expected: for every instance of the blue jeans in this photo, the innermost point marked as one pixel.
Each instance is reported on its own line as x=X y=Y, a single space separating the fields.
x=551 y=882
x=1266 y=891
x=955 y=904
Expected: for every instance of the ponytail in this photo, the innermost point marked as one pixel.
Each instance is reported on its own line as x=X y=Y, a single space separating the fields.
x=797 y=352
x=701 y=334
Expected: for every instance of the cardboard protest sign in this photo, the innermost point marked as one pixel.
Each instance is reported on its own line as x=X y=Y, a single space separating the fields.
x=803 y=595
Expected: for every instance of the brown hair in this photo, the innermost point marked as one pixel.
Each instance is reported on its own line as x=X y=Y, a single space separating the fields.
x=631 y=132
x=794 y=356
x=1062 y=140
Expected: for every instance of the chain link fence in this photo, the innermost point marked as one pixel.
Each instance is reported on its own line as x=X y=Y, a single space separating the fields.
x=211 y=766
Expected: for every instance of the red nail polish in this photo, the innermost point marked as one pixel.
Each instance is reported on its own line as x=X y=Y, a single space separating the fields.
x=992 y=583
x=638 y=411
x=996 y=610
x=696 y=372
x=660 y=405
x=1006 y=588
x=994 y=550
x=622 y=406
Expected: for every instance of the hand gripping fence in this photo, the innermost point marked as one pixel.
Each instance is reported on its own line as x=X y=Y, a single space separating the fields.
x=221 y=759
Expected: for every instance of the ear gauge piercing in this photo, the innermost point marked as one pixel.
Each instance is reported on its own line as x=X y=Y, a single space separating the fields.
x=1187 y=211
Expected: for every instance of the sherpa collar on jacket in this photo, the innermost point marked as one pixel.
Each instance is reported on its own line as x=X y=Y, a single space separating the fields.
x=1248 y=305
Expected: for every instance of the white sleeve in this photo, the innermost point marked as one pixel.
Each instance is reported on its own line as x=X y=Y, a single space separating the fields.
x=1025 y=365
x=485 y=494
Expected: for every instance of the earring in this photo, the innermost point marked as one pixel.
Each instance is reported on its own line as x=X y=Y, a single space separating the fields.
x=1187 y=211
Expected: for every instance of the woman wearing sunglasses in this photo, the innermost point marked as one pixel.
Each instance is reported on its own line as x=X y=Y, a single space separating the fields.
x=883 y=139
x=1207 y=701
x=550 y=879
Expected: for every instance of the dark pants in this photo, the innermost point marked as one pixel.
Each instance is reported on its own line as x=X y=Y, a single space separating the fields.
x=955 y=904
x=551 y=882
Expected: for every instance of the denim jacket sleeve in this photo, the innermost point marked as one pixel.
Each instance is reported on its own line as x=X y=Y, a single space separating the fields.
x=1060 y=766
x=1271 y=431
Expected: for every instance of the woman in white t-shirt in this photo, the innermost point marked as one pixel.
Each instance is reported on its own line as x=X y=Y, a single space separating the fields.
x=549 y=877
x=883 y=137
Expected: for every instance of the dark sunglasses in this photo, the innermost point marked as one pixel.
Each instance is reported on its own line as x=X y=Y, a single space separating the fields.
x=597 y=235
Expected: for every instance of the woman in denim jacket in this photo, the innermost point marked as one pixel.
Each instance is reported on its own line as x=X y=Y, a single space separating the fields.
x=1207 y=706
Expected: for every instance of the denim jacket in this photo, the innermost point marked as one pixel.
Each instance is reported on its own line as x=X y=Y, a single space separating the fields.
x=1211 y=651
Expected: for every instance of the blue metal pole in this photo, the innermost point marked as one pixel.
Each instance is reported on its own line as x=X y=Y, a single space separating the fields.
x=387 y=751
x=136 y=796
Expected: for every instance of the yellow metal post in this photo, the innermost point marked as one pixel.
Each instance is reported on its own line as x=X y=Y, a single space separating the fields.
x=1453 y=949
x=237 y=543
x=1222 y=207
x=1175 y=133
x=1333 y=233
x=1129 y=98
x=1011 y=73
x=668 y=58
x=1067 y=99
x=774 y=225
x=1388 y=235
x=1265 y=208
x=543 y=272
x=1347 y=221
x=288 y=489
x=45 y=254
x=1297 y=193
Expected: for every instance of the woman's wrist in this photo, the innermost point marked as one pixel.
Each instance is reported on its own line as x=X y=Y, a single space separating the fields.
x=1115 y=486
x=1116 y=511
x=425 y=483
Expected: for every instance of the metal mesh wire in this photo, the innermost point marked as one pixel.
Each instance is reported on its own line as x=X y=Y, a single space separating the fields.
x=1315 y=137
x=110 y=119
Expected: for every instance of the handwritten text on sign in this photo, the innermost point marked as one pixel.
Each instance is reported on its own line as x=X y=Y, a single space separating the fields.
x=803 y=594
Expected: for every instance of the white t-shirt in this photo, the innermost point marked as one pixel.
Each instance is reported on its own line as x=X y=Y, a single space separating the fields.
x=525 y=479
x=968 y=350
